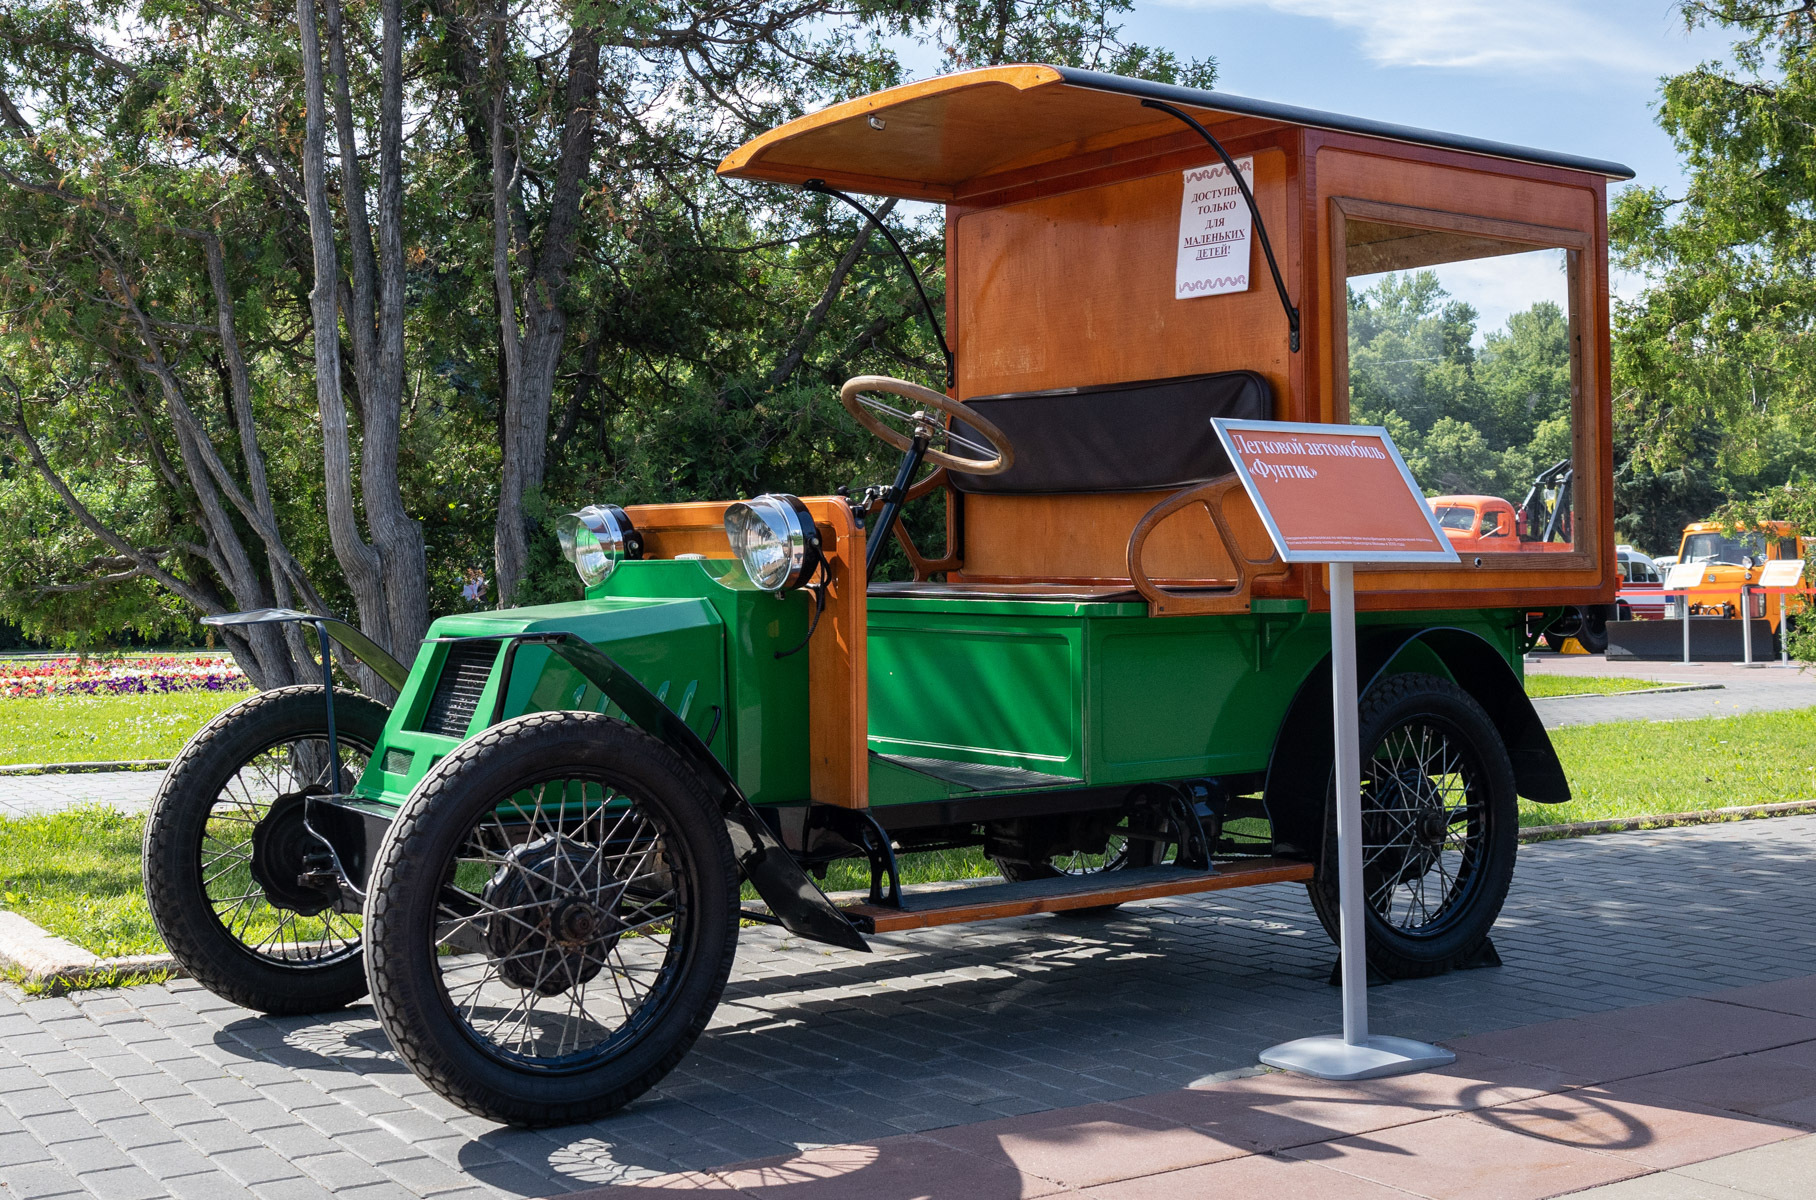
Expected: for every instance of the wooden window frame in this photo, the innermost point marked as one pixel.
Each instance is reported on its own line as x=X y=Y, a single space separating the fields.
x=1577 y=245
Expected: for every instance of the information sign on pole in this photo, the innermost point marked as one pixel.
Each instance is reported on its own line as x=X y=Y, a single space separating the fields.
x=1781 y=573
x=1341 y=495
x=1681 y=578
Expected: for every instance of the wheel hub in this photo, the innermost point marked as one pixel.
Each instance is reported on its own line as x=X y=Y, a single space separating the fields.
x=283 y=849
x=559 y=920
x=1408 y=832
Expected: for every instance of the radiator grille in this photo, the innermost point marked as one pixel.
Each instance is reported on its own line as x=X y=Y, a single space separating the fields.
x=463 y=678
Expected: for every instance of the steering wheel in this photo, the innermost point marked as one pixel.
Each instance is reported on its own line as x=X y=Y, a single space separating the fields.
x=995 y=457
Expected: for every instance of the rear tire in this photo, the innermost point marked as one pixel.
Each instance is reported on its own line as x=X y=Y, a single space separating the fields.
x=1440 y=823
x=219 y=922
x=1592 y=630
x=550 y=961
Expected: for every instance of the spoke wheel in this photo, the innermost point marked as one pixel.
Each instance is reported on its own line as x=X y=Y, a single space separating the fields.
x=1439 y=827
x=225 y=843
x=552 y=919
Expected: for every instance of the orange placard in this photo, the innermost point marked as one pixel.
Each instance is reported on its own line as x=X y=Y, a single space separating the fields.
x=1334 y=493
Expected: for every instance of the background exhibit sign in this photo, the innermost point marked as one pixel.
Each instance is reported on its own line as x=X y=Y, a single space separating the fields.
x=1214 y=232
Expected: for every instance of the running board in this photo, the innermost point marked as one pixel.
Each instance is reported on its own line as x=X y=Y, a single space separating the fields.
x=944 y=904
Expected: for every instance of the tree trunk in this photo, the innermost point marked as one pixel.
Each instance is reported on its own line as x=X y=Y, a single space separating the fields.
x=375 y=319
x=359 y=560
x=533 y=324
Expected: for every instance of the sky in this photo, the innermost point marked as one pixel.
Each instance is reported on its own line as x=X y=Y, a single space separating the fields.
x=1579 y=76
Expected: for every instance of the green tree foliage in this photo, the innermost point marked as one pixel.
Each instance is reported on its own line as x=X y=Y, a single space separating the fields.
x=1714 y=364
x=156 y=266
x=1468 y=420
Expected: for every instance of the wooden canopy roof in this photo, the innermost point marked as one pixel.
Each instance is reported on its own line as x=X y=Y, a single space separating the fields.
x=957 y=135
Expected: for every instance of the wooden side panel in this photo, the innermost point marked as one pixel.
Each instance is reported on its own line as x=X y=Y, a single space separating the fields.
x=1087 y=537
x=837 y=673
x=1074 y=290
x=838 y=670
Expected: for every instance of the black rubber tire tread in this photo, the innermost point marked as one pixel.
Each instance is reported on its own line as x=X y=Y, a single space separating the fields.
x=400 y=955
x=1389 y=703
x=173 y=887
x=1592 y=632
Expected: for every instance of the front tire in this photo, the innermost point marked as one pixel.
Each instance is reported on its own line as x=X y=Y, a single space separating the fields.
x=552 y=919
x=1440 y=827
x=230 y=804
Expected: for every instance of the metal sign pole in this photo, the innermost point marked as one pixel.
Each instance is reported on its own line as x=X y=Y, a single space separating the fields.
x=1357 y=1054
x=1746 y=625
x=1353 y=931
x=1685 y=601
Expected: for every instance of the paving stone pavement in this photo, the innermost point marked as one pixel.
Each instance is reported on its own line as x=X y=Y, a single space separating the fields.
x=30 y=795
x=169 y=1090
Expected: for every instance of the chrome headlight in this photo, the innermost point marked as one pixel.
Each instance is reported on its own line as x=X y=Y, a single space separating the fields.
x=596 y=539
x=775 y=538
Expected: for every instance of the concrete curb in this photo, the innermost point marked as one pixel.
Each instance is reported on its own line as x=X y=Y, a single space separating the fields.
x=1658 y=691
x=84 y=768
x=58 y=965
x=1541 y=833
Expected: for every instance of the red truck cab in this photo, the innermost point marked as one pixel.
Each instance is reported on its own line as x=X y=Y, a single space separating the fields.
x=1476 y=522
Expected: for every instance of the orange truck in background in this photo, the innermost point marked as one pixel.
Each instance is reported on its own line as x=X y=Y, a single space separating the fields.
x=1540 y=525
x=1733 y=560
x=1478 y=523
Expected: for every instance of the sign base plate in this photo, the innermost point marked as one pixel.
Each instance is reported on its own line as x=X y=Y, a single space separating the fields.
x=1330 y=1057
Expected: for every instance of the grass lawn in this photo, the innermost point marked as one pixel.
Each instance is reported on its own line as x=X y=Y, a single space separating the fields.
x=1539 y=686
x=1633 y=768
x=59 y=729
x=77 y=873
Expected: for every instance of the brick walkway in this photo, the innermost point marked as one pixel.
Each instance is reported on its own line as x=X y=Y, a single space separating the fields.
x=170 y=1091
x=1707 y=1098
x=29 y=795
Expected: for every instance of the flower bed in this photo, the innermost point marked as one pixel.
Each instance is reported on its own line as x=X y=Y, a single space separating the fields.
x=119 y=676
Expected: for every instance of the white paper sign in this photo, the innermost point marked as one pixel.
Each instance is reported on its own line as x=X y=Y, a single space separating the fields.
x=1684 y=576
x=1214 y=232
x=1783 y=572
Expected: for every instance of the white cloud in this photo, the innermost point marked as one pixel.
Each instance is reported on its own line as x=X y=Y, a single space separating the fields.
x=1523 y=36
x=1498 y=287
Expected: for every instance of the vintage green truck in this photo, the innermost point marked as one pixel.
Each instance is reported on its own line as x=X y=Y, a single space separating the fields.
x=539 y=858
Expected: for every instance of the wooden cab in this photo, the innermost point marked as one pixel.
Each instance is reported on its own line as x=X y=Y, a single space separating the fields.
x=1094 y=319
x=1063 y=201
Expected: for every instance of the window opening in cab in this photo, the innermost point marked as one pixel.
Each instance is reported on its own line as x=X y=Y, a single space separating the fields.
x=1720 y=548
x=1466 y=347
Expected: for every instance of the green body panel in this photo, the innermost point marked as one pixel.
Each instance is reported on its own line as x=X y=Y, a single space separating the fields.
x=1091 y=693
x=706 y=646
x=1100 y=693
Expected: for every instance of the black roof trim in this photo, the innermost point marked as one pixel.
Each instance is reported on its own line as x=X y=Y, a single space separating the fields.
x=1293 y=114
